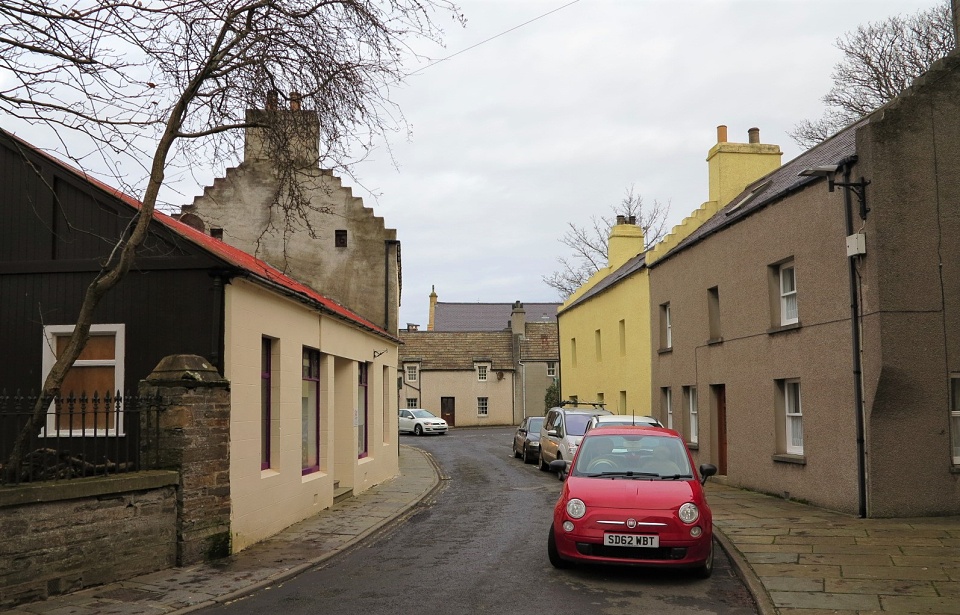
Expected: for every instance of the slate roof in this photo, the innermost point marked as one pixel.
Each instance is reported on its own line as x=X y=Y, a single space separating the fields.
x=487 y=316
x=775 y=185
x=248 y=265
x=449 y=350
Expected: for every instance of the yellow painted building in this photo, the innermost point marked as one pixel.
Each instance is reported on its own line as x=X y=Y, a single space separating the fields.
x=604 y=326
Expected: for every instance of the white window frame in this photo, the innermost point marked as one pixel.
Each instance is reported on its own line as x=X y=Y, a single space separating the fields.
x=793 y=417
x=411 y=372
x=551 y=369
x=668 y=327
x=955 y=418
x=788 y=296
x=412 y=402
x=482 y=371
x=50 y=335
x=483 y=406
x=693 y=413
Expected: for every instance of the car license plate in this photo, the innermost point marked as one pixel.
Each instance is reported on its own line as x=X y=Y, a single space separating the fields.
x=631 y=540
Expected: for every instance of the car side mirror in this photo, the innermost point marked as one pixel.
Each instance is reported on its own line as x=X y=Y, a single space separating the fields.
x=707 y=470
x=561 y=467
x=552 y=432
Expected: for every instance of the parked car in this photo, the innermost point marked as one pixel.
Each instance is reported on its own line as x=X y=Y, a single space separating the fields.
x=632 y=496
x=561 y=432
x=622 y=419
x=526 y=440
x=420 y=422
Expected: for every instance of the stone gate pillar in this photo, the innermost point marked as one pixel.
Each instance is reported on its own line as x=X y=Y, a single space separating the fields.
x=193 y=437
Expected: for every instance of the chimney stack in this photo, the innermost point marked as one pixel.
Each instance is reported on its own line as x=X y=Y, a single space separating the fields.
x=732 y=167
x=295 y=101
x=518 y=319
x=272 y=96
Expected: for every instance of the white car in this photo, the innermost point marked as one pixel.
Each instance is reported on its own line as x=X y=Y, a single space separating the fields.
x=420 y=422
x=622 y=419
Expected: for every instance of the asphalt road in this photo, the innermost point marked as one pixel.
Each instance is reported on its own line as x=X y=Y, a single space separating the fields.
x=479 y=546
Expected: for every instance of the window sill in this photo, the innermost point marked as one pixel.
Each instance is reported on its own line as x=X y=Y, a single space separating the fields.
x=665 y=350
x=784 y=328
x=693 y=446
x=714 y=341
x=799 y=460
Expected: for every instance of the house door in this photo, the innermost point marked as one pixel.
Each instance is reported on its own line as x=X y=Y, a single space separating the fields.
x=448 y=410
x=720 y=393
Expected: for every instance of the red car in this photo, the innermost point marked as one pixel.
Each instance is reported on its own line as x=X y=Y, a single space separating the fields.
x=632 y=497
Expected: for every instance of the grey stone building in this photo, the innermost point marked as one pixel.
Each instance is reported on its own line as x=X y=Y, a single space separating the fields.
x=334 y=243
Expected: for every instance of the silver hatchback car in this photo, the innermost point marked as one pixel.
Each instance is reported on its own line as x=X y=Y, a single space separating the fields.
x=561 y=432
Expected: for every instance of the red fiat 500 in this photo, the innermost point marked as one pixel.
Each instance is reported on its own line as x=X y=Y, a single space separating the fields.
x=632 y=496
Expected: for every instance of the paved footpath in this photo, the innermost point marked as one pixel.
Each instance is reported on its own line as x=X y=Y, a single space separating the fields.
x=802 y=560
x=795 y=559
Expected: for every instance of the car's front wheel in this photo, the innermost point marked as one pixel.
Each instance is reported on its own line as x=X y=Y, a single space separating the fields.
x=418 y=430
x=544 y=466
x=516 y=454
x=527 y=455
x=555 y=560
x=706 y=569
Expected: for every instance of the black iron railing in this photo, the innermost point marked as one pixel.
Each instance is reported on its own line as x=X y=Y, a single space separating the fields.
x=78 y=436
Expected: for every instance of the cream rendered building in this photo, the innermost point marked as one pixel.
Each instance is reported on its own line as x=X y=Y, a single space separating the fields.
x=604 y=326
x=357 y=427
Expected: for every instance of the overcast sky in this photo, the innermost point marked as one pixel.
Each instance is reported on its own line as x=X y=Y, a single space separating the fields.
x=552 y=122
x=548 y=111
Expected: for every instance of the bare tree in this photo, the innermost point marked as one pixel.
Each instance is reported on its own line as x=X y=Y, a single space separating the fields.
x=880 y=60
x=169 y=80
x=589 y=243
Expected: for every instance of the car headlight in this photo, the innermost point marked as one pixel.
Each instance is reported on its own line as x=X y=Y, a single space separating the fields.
x=576 y=508
x=689 y=512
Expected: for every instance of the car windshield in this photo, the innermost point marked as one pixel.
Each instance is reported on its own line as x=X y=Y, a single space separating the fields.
x=534 y=424
x=632 y=456
x=423 y=414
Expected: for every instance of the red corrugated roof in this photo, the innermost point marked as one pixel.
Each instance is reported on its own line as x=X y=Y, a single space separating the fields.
x=234 y=256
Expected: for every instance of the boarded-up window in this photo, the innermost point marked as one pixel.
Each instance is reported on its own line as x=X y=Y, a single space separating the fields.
x=88 y=403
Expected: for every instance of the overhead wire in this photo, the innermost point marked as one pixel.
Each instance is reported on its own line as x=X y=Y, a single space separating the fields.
x=495 y=36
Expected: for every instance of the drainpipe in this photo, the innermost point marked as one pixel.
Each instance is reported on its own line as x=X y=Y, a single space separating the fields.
x=216 y=328
x=856 y=347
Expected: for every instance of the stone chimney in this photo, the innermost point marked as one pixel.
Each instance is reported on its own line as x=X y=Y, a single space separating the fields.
x=518 y=319
x=626 y=241
x=433 y=308
x=299 y=127
x=734 y=166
